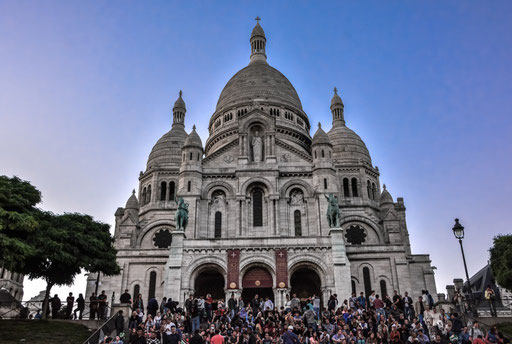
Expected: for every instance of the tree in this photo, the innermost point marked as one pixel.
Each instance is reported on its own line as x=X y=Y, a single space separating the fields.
x=501 y=260
x=66 y=244
x=53 y=247
x=18 y=220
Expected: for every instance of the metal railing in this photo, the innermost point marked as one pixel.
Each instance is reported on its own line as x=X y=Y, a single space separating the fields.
x=104 y=330
x=25 y=309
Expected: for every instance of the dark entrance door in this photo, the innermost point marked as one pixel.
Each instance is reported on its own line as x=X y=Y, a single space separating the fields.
x=257 y=281
x=305 y=283
x=210 y=282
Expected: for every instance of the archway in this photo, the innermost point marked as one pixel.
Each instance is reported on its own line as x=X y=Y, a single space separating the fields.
x=210 y=282
x=305 y=282
x=257 y=281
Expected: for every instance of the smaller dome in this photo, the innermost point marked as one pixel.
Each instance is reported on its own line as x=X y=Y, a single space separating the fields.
x=180 y=103
x=385 y=197
x=336 y=99
x=258 y=30
x=193 y=139
x=347 y=146
x=133 y=202
x=321 y=137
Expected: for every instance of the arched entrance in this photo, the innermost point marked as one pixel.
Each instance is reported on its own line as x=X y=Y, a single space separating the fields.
x=210 y=282
x=259 y=281
x=305 y=282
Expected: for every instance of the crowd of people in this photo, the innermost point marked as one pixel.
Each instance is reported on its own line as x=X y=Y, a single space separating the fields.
x=360 y=319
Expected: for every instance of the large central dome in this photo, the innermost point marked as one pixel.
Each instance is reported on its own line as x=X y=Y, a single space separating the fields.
x=259 y=81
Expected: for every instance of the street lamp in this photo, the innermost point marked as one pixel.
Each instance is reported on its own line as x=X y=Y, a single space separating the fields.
x=458 y=232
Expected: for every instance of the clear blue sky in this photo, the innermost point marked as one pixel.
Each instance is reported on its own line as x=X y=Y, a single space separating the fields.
x=86 y=89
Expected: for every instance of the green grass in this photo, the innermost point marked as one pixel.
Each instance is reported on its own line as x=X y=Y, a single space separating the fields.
x=39 y=332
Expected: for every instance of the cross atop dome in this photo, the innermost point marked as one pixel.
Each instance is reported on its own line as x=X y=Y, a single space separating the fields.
x=181 y=92
x=258 y=42
x=335 y=90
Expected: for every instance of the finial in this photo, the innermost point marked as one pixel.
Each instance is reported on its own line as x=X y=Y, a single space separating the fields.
x=181 y=93
x=257 y=20
x=194 y=127
x=133 y=192
x=335 y=90
x=319 y=125
x=384 y=186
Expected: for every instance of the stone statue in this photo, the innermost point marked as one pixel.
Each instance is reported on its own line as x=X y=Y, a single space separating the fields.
x=181 y=216
x=256 y=147
x=333 y=211
x=297 y=198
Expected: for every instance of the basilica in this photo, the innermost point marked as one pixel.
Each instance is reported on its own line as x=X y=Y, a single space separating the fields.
x=257 y=194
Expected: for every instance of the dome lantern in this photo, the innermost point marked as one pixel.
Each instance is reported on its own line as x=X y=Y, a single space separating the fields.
x=178 y=111
x=258 y=42
x=337 y=108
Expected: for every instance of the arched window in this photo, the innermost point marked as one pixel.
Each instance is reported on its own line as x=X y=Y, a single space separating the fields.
x=316 y=155
x=152 y=285
x=149 y=194
x=257 y=208
x=298 y=222
x=353 y=286
x=369 y=189
x=325 y=183
x=190 y=156
x=198 y=156
x=218 y=224
x=15 y=293
x=367 y=281
x=346 y=192
x=374 y=191
x=136 y=291
x=323 y=154
x=189 y=186
x=354 y=188
x=172 y=188
x=144 y=195
x=163 y=191
x=383 y=289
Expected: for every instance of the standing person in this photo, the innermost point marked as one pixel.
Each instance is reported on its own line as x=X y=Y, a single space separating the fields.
x=490 y=297
x=138 y=303
x=189 y=303
x=56 y=304
x=362 y=300
x=232 y=306
x=316 y=306
x=152 y=306
x=419 y=308
x=407 y=302
x=80 y=306
x=102 y=305
x=70 y=301
x=125 y=297
x=119 y=323
x=93 y=306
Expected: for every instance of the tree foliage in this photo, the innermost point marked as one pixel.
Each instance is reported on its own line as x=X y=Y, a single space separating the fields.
x=44 y=245
x=18 y=220
x=501 y=260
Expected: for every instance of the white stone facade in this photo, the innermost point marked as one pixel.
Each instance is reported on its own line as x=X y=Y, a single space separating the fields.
x=260 y=163
x=12 y=282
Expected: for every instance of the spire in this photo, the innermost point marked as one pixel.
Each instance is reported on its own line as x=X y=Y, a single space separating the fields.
x=179 y=110
x=337 y=109
x=258 y=42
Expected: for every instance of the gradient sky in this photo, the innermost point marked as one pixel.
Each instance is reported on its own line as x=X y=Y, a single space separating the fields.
x=86 y=89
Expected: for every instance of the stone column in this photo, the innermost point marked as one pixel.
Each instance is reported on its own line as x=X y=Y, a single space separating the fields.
x=341 y=265
x=173 y=268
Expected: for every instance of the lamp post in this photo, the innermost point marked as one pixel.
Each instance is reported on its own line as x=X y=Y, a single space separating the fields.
x=458 y=232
